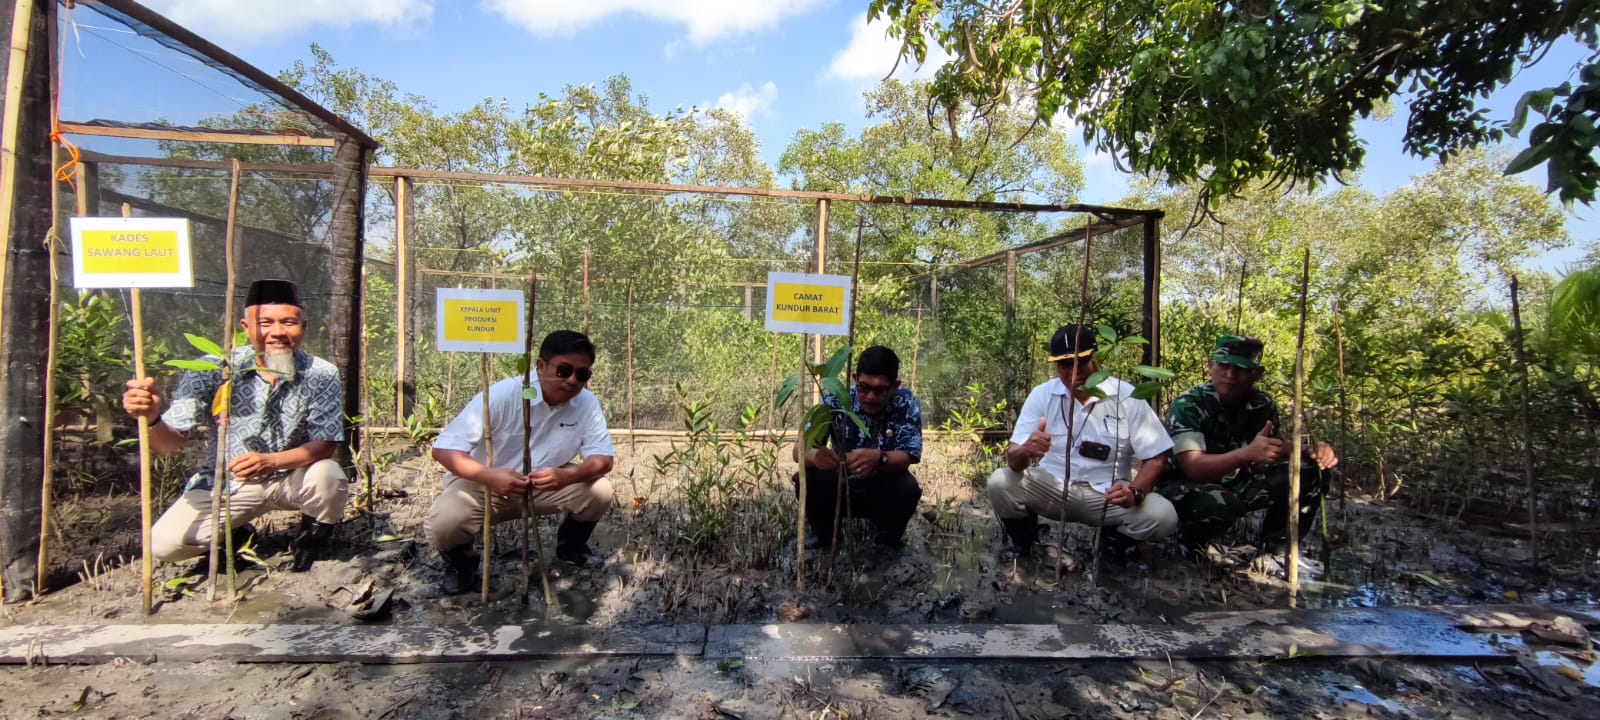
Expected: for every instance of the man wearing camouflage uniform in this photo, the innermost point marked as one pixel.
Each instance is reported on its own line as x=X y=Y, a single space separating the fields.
x=1227 y=456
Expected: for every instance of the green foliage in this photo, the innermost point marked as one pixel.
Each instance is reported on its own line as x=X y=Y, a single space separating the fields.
x=971 y=422
x=1228 y=94
x=92 y=359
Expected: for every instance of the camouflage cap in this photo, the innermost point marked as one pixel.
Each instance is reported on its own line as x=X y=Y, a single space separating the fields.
x=1238 y=350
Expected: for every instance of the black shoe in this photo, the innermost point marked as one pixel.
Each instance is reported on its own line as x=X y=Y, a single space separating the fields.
x=309 y=542
x=460 y=571
x=1115 y=545
x=1023 y=532
x=572 y=543
x=242 y=536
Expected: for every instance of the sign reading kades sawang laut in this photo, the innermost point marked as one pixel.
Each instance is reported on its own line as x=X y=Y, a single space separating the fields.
x=480 y=321
x=131 y=253
x=800 y=303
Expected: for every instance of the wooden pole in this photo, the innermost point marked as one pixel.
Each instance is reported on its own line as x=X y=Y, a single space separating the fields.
x=1298 y=425
x=916 y=346
x=633 y=442
x=1072 y=417
x=822 y=267
x=405 y=389
x=1344 y=415
x=146 y=561
x=1527 y=431
x=850 y=344
x=586 y=291
x=800 y=533
x=363 y=454
x=530 y=520
x=22 y=36
x=221 y=522
x=488 y=495
x=52 y=240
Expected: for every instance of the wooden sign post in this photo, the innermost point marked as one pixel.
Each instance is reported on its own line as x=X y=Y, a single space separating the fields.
x=134 y=253
x=483 y=322
x=817 y=304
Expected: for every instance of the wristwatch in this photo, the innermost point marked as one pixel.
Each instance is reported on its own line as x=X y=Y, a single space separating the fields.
x=883 y=458
x=1138 y=495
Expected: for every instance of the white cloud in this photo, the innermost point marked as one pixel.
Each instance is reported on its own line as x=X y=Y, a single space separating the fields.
x=749 y=102
x=706 y=20
x=871 y=53
x=265 y=20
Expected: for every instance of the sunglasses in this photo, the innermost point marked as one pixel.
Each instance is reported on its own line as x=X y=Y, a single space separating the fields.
x=564 y=371
x=874 y=390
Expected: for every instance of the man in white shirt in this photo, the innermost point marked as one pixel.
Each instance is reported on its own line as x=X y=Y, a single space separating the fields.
x=566 y=423
x=1104 y=437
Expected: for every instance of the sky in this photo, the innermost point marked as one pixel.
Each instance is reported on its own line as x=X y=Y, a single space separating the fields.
x=785 y=65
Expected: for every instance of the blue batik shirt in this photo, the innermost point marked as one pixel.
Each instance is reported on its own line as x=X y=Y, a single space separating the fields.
x=897 y=427
x=266 y=417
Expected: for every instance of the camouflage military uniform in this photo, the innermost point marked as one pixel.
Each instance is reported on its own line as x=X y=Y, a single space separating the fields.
x=1198 y=421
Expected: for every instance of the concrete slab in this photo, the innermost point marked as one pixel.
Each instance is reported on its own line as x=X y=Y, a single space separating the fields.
x=396 y=644
x=1436 y=633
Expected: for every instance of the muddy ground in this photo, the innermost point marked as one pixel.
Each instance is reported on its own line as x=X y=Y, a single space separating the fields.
x=664 y=568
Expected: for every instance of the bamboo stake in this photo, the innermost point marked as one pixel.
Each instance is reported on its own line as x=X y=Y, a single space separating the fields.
x=146 y=562
x=364 y=456
x=1298 y=425
x=488 y=495
x=530 y=520
x=1344 y=415
x=850 y=342
x=800 y=534
x=633 y=441
x=1527 y=432
x=1072 y=418
x=402 y=289
x=586 y=291
x=50 y=242
x=222 y=518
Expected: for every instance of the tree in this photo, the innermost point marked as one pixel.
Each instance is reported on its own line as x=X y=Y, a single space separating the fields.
x=1229 y=93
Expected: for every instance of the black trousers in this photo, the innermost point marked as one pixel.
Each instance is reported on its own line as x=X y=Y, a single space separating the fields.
x=886 y=499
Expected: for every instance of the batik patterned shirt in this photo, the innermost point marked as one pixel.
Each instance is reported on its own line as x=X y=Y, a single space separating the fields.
x=264 y=417
x=897 y=427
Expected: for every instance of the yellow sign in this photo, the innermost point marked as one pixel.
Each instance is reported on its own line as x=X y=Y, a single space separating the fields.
x=802 y=303
x=143 y=253
x=806 y=303
x=480 y=320
x=130 y=252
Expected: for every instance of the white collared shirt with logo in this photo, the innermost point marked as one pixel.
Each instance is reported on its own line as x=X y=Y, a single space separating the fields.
x=1128 y=426
x=557 y=435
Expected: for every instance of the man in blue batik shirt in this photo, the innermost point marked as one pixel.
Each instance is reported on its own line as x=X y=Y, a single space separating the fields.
x=878 y=483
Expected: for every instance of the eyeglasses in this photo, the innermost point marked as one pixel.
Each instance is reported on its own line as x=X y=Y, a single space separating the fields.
x=874 y=390
x=564 y=371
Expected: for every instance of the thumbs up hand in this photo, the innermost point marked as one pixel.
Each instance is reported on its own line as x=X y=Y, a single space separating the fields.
x=1265 y=448
x=1038 y=442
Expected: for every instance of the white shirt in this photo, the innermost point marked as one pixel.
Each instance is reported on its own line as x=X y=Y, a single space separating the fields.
x=556 y=435
x=1129 y=427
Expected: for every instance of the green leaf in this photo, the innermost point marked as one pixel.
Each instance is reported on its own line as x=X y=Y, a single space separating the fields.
x=523 y=365
x=1529 y=158
x=1146 y=391
x=818 y=423
x=241 y=338
x=530 y=393
x=1107 y=334
x=787 y=388
x=194 y=365
x=860 y=424
x=835 y=364
x=835 y=387
x=204 y=345
x=1154 y=373
x=1093 y=381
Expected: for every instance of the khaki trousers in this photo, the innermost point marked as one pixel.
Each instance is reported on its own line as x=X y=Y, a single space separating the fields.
x=1016 y=495
x=184 y=530
x=457 y=514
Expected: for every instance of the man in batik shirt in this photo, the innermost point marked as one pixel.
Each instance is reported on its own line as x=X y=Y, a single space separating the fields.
x=878 y=482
